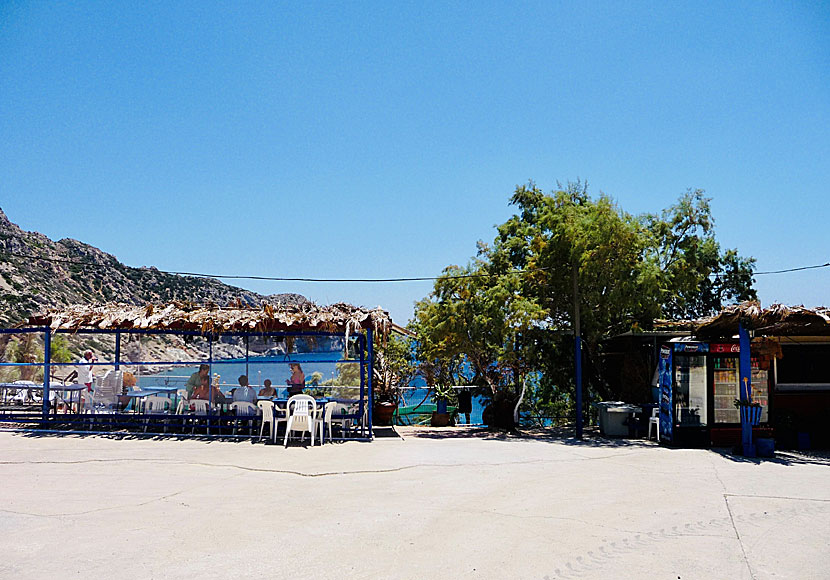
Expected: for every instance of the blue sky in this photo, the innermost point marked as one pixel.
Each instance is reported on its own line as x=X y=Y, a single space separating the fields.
x=363 y=140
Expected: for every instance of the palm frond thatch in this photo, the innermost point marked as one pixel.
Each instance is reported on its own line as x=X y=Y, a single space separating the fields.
x=211 y=319
x=776 y=320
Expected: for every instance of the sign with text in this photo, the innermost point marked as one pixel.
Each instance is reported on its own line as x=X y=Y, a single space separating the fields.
x=691 y=347
x=725 y=348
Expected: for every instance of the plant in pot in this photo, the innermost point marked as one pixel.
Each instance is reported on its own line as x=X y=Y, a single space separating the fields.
x=750 y=411
x=443 y=395
x=394 y=368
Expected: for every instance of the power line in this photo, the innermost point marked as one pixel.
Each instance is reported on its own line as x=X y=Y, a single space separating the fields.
x=356 y=280
x=793 y=269
x=285 y=279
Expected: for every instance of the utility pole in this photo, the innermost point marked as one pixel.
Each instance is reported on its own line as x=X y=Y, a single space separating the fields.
x=578 y=352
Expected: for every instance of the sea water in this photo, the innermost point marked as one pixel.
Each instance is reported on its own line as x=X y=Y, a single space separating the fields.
x=257 y=369
x=276 y=368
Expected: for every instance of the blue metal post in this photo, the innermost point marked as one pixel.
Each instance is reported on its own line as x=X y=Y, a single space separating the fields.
x=578 y=354
x=577 y=351
x=47 y=359
x=210 y=370
x=745 y=375
x=117 y=350
x=369 y=372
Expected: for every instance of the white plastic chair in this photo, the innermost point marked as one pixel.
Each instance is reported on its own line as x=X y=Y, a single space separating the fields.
x=280 y=416
x=326 y=421
x=243 y=410
x=338 y=417
x=301 y=409
x=359 y=422
x=156 y=405
x=266 y=409
x=25 y=394
x=202 y=408
x=183 y=405
x=654 y=420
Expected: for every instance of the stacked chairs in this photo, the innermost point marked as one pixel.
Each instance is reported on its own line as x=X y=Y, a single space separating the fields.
x=106 y=391
x=301 y=417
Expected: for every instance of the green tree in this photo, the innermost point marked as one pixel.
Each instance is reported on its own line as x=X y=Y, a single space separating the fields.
x=25 y=348
x=510 y=311
x=394 y=368
x=471 y=330
x=695 y=278
x=59 y=349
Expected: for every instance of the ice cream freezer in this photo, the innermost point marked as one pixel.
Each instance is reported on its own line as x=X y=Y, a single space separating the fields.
x=699 y=383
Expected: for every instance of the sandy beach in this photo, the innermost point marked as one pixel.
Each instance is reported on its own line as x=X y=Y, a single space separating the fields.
x=425 y=503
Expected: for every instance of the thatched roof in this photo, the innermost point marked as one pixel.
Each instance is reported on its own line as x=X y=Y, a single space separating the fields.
x=776 y=320
x=338 y=318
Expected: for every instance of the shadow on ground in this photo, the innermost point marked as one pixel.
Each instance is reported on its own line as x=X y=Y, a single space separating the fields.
x=558 y=435
x=129 y=435
x=781 y=457
x=554 y=435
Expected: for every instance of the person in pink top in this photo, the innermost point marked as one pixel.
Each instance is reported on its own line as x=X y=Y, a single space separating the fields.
x=297 y=380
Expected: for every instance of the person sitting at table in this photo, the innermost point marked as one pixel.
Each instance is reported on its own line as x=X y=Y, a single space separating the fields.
x=195 y=379
x=297 y=380
x=244 y=392
x=208 y=392
x=267 y=390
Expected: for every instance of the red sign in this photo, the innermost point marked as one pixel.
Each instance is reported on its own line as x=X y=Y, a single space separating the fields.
x=730 y=347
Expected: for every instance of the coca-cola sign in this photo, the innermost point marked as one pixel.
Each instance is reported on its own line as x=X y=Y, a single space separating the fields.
x=726 y=347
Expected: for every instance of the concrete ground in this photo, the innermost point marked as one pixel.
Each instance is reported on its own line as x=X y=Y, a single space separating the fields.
x=426 y=504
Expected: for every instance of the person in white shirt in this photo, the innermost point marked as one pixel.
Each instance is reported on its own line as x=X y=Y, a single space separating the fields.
x=244 y=392
x=85 y=374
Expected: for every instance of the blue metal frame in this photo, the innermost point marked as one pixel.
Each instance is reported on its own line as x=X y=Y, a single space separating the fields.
x=578 y=378
x=369 y=370
x=745 y=388
x=46 y=417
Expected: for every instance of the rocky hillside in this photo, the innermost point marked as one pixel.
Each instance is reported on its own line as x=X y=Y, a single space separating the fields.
x=73 y=272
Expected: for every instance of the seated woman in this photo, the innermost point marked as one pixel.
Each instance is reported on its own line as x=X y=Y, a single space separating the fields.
x=208 y=392
x=267 y=390
x=297 y=380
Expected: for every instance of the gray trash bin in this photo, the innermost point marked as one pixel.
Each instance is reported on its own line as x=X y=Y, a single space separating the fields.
x=603 y=407
x=613 y=418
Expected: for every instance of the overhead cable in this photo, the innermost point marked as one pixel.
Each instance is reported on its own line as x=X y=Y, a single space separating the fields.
x=358 y=280
x=286 y=279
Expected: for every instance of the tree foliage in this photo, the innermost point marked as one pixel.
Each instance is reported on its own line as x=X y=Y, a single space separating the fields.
x=509 y=310
x=695 y=278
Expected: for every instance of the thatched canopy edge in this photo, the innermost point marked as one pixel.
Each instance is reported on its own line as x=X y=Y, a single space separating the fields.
x=211 y=319
x=775 y=320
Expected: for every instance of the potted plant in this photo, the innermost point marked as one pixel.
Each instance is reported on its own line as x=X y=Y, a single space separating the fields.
x=443 y=396
x=394 y=368
x=750 y=411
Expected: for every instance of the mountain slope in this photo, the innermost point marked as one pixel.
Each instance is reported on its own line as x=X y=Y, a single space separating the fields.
x=74 y=272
